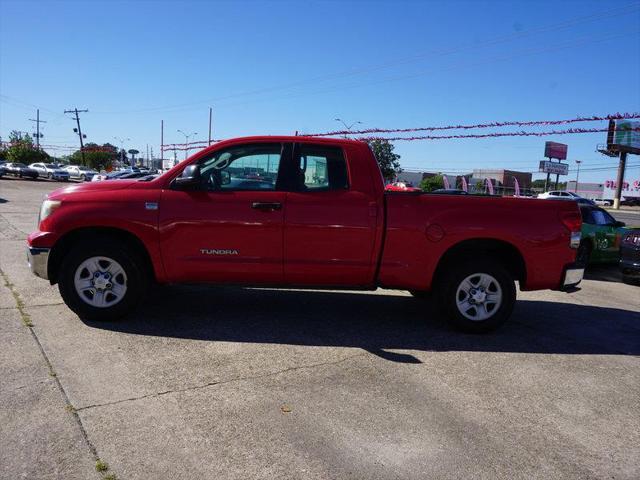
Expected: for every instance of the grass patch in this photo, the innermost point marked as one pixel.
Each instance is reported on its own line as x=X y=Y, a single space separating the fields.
x=111 y=476
x=26 y=319
x=101 y=466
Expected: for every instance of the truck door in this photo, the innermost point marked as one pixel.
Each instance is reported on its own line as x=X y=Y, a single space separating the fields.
x=229 y=230
x=329 y=226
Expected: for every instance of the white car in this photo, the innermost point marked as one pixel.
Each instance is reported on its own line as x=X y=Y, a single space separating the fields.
x=603 y=202
x=564 y=195
x=81 y=172
x=50 y=171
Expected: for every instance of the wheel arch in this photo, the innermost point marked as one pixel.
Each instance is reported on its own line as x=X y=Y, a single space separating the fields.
x=501 y=251
x=72 y=238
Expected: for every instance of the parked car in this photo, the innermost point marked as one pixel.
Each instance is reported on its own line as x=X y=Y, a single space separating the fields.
x=401 y=187
x=601 y=236
x=104 y=242
x=20 y=170
x=631 y=202
x=3 y=170
x=80 y=172
x=603 y=202
x=50 y=171
x=564 y=195
x=630 y=256
x=127 y=173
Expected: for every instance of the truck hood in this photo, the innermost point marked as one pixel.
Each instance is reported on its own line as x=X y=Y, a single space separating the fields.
x=87 y=187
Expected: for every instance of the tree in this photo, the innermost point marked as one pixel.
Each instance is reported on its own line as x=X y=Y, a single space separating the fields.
x=98 y=157
x=539 y=184
x=21 y=150
x=429 y=184
x=388 y=161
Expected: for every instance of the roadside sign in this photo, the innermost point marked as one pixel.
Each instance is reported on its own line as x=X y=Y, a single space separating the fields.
x=624 y=135
x=555 y=150
x=557 y=168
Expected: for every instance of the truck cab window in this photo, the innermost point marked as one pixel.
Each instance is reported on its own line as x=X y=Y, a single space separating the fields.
x=245 y=167
x=319 y=168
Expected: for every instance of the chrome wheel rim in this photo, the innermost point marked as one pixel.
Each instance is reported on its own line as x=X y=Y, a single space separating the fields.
x=479 y=297
x=100 y=282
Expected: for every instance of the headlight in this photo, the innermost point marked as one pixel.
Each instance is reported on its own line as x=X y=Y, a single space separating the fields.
x=48 y=207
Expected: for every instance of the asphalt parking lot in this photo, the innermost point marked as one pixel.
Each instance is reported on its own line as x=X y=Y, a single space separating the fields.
x=209 y=382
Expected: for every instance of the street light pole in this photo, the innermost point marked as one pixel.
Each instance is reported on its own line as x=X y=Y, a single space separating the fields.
x=347 y=127
x=122 y=140
x=186 y=141
x=578 y=174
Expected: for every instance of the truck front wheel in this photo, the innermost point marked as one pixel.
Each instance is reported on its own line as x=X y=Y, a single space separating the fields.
x=477 y=296
x=102 y=281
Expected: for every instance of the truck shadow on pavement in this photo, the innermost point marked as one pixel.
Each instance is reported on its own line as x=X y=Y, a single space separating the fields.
x=376 y=323
x=604 y=273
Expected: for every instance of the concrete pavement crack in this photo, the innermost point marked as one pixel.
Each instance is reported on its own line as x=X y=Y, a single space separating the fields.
x=222 y=382
x=27 y=322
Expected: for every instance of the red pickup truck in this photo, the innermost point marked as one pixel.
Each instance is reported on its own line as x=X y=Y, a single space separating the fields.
x=299 y=212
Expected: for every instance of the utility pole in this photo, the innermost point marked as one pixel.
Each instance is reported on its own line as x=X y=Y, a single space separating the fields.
x=38 y=122
x=620 y=180
x=578 y=174
x=210 y=117
x=78 y=130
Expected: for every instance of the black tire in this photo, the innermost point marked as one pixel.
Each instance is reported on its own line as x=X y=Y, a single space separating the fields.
x=584 y=254
x=453 y=278
x=50 y=176
x=82 y=177
x=137 y=280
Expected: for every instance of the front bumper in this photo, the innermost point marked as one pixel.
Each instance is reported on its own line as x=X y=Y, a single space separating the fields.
x=571 y=278
x=60 y=176
x=38 y=259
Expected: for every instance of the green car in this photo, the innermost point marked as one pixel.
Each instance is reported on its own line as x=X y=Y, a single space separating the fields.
x=601 y=235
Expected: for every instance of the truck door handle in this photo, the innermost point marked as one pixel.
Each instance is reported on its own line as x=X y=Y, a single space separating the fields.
x=266 y=206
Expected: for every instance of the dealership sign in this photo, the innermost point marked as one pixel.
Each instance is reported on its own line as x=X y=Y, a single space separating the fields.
x=629 y=189
x=557 y=168
x=555 y=150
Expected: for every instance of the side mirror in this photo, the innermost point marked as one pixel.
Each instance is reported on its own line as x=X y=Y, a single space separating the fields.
x=620 y=224
x=189 y=178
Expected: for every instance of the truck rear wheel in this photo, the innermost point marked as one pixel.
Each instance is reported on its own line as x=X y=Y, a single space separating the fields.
x=477 y=296
x=102 y=281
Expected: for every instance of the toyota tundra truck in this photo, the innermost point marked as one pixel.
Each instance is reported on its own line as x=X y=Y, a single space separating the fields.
x=299 y=212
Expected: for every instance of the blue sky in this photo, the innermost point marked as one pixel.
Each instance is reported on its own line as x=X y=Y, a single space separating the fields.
x=278 y=67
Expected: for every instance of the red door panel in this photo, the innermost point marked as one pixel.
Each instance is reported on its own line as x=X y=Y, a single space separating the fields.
x=221 y=237
x=329 y=238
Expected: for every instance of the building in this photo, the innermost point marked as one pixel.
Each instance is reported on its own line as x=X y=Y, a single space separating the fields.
x=586 y=190
x=605 y=190
x=504 y=180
